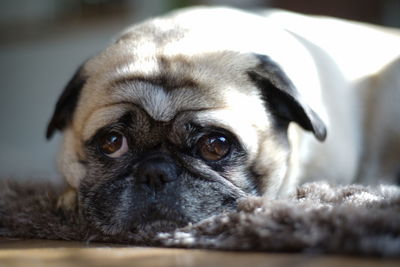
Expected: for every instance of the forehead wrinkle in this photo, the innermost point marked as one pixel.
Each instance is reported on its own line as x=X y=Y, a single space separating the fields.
x=160 y=80
x=85 y=121
x=161 y=104
x=87 y=132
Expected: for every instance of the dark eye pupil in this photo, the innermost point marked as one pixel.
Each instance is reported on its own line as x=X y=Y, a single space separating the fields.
x=111 y=142
x=213 y=147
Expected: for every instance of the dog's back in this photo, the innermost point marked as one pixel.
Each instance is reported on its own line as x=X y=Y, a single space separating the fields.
x=359 y=72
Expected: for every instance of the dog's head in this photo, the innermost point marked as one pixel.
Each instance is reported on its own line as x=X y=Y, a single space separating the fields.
x=156 y=137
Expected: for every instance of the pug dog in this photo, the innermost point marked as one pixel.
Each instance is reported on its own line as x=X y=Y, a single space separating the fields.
x=183 y=115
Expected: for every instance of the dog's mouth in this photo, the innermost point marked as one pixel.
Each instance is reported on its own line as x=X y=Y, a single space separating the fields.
x=153 y=219
x=158 y=218
x=121 y=206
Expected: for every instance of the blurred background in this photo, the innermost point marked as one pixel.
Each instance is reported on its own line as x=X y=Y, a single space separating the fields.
x=43 y=41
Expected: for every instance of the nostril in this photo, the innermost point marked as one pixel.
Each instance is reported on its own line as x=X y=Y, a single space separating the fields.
x=148 y=179
x=170 y=173
x=156 y=172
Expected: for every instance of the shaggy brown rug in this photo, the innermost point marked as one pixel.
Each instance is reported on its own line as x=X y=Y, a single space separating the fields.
x=318 y=219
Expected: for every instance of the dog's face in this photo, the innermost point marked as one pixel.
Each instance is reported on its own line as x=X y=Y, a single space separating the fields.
x=156 y=139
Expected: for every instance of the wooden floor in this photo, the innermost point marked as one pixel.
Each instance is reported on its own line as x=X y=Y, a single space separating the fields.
x=61 y=253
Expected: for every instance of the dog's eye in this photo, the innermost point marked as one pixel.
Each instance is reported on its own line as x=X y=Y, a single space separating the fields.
x=113 y=144
x=213 y=147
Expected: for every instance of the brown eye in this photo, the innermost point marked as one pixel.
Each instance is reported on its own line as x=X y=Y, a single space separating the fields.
x=213 y=147
x=113 y=144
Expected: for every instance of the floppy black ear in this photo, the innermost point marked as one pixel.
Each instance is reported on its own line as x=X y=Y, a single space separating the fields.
x=66 y=104
x=283 y=99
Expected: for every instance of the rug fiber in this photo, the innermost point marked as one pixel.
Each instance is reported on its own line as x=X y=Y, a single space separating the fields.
x=319 y=218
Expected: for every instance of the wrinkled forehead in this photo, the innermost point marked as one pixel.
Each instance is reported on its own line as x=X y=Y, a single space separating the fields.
x=157 y=104
x=228 y=109
x=162 y=86
x=242 y=115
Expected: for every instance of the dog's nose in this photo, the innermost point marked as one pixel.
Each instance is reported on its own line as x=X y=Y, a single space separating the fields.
x=155 y=172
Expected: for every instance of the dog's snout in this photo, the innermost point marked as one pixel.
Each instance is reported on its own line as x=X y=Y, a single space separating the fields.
x=156 y=172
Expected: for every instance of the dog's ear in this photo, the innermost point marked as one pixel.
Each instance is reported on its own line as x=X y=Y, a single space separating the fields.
x=66 y=103
x=283 y=99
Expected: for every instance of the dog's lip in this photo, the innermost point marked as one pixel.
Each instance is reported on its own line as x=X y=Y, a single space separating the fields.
x=161 y=216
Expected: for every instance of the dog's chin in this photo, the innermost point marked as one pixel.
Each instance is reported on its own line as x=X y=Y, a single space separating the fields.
x=153 y=219
x=144 y=227
x=158 y=219
x=121 y=205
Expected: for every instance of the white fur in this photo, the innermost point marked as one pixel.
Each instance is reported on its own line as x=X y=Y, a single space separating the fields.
x=336 y=66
